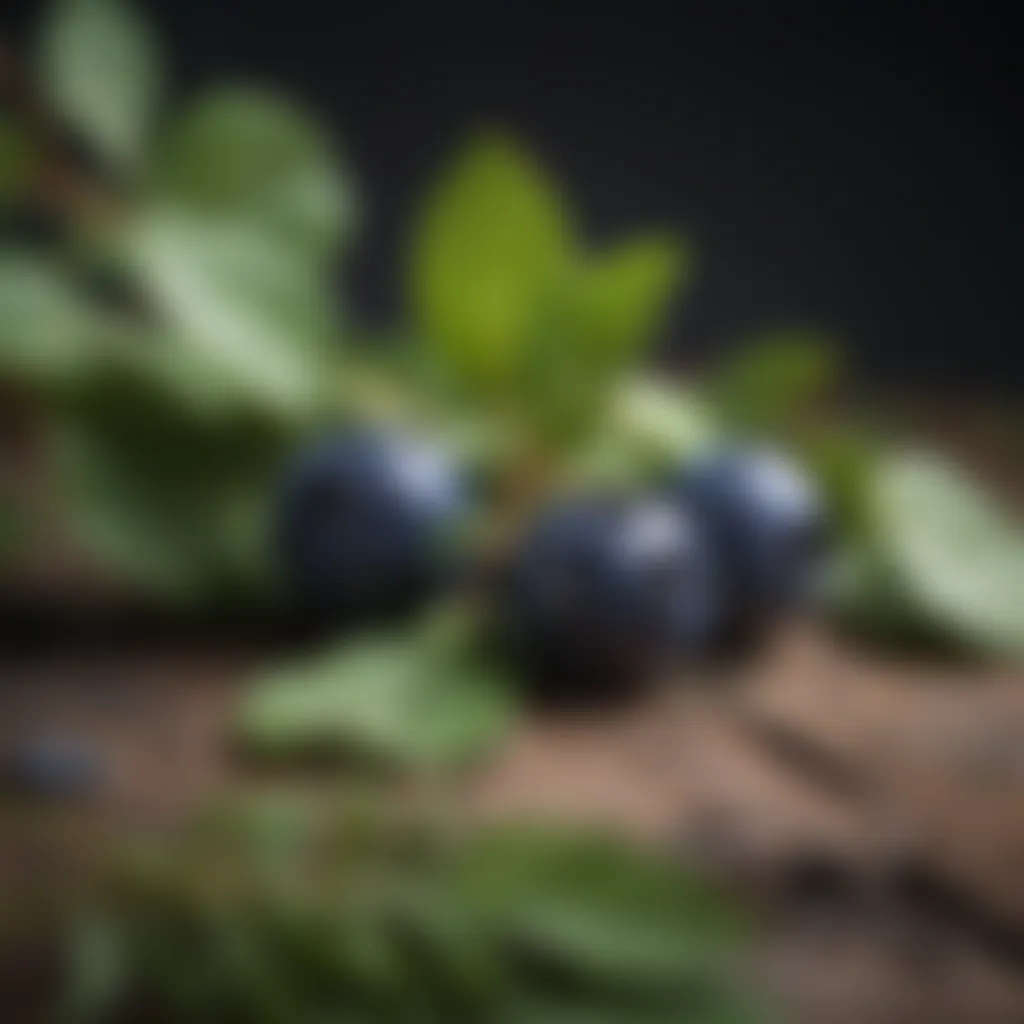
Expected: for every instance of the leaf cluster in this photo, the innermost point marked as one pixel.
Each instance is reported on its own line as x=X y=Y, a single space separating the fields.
x=268 y=912
x=181 y=331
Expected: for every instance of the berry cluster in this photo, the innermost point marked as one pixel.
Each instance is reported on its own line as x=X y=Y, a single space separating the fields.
x=596 y=590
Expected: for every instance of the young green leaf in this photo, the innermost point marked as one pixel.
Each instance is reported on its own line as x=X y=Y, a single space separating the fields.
x=599 y=316
x=621 y=299
x=516 y=313
x=101 y=70
x=491 y=241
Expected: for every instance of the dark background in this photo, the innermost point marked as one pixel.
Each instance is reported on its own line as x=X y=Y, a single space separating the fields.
x=848 y=164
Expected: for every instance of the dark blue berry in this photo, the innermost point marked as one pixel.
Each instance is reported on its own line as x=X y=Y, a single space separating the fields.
x=367 y=524
x=51 y=768
x=604 y=594
x=766 y=521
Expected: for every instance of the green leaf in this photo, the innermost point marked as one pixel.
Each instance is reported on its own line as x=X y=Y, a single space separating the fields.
x=774 y=380
x=613 y=932
x=248 y=157
x=598 y=317
x=530 y=326
x=621 y=299
x=598 y=907
x=47 y=333
x=491 y=242
x=101 y=70
x=390 y=700
x=956 y=556
x=246 y=206
x=256 y=311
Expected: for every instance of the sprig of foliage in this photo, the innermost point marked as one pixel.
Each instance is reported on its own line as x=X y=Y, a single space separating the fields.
x=187 y=333
x=513 y=308
x=271 y=912
x=184 y=335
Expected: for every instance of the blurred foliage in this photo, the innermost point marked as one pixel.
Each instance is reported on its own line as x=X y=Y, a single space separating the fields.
x=939 y=560
x=249 y=157
x=491 y=245
x=396 y=700
x=775 y=381
x=268 y=911
x=101 y=71
x=922 y=555
x=181 y=331
x=515 y=312
x=258 y=315
x=184 y=332
x=48 y=334
x=172 y=501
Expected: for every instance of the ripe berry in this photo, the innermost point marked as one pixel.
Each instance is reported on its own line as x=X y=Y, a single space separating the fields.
x=604 y=593
x=367 y=524
x=51 y=768
x=766 y=521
